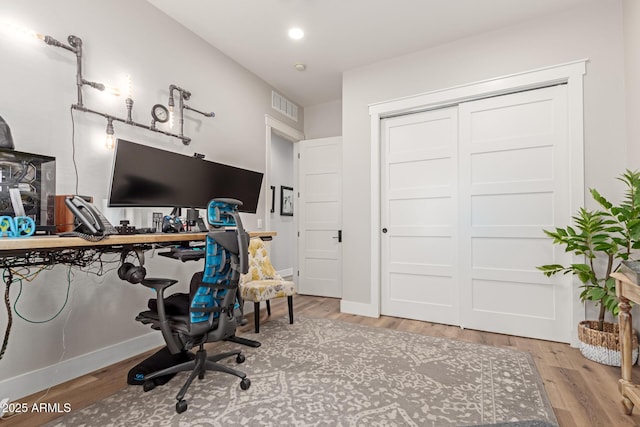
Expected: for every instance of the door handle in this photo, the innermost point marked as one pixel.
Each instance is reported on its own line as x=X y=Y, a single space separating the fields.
x=339 y=236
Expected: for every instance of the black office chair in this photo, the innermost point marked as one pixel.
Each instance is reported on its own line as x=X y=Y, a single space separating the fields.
x=210 y=312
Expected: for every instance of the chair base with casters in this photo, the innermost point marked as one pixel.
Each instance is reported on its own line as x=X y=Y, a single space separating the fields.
x=210 y=312
x=198 y=366
x=263 y=283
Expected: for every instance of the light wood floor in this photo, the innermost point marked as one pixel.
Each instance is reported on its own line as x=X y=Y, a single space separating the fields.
x=583 y=393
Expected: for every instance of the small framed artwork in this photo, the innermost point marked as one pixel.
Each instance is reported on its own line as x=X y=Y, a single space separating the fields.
x=273 y=199
x=286 y=201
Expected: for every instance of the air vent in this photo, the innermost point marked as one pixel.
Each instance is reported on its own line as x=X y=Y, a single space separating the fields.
x=284 y=106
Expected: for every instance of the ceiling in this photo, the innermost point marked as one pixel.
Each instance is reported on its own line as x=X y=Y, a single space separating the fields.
x=340 y=34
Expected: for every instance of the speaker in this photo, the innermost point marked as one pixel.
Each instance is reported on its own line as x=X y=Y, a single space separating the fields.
x=130 y=272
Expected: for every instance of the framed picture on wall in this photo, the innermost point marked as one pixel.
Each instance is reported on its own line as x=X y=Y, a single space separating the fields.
x=273 y=199
x=286 y=201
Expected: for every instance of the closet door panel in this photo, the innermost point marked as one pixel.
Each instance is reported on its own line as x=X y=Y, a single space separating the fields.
x=419 y=212
x=513 y=183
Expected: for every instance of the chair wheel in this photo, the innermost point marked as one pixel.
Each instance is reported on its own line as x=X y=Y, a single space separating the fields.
x=245 y=383
x=181 y=406
x=148 y=385
x=240 y=358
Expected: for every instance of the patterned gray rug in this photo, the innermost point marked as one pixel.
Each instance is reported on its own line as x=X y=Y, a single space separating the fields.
x=320 y=372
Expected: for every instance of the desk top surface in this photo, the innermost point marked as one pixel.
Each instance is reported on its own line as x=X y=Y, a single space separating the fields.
x=57 y=242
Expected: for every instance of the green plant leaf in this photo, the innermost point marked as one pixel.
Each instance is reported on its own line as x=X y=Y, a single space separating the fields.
x=603 y=236
x=595 y=293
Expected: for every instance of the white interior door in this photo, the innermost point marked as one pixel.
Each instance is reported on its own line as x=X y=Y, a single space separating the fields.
x=419 y=242
x=320 y=217
x=514 y=181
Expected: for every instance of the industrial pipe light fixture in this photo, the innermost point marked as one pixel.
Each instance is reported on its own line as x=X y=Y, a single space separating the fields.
x=183 y=95
x=75 y=46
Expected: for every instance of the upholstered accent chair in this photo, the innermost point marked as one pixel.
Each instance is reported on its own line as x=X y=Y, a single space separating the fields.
x=263 y=283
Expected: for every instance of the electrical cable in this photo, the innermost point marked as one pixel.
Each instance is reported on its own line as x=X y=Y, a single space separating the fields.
x=64 y=304
x=73 y=146
x=87 y=237
x=64 y=351
x=73 y=258
x=7 y=303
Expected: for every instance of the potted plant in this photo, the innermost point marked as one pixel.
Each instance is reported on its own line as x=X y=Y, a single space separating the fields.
x=605 y=237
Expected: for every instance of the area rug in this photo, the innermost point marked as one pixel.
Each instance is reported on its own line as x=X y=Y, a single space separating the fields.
x=320 y=372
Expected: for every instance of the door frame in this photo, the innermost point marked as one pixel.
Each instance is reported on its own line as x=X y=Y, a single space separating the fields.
x=291 y=134
x=286 y=132
x=570 y=73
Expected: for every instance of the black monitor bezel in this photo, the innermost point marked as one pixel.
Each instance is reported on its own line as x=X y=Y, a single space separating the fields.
x=244 y=208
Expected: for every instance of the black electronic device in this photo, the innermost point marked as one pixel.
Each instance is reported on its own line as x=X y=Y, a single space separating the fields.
x=172 y=224
x=185 y=253
x=130 y=272
x=144 y=176
x=89 y=219
x=33 y=176
x=144 y=230
x=126 y=229
x=199 y=226
x=160 y=360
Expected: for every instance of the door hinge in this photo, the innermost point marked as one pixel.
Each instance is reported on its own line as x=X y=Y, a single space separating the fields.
x=298 y=273
x=298 y=194
x=298 y=155
x=298 y=234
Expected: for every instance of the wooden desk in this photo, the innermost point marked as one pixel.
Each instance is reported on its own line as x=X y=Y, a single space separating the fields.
x=51 y=250
x=35 y=243
x=627 y=290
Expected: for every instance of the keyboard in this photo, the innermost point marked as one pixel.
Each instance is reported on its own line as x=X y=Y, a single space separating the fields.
x=185 y=254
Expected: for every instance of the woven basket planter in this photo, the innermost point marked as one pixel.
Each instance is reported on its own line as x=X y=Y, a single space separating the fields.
x=604 y=346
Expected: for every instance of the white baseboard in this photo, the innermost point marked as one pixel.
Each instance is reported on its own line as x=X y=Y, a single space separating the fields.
x=359 y=308
x=287 y=272
x=41 y=379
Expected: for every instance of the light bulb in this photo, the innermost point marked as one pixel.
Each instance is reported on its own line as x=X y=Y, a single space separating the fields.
x=171 y=117
x=128 y=86
x=112 y=90
x=110 y=142
x=20 y=31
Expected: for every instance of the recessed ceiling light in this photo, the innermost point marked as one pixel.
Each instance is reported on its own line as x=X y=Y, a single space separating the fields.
x=296 y=33
x=300 y=67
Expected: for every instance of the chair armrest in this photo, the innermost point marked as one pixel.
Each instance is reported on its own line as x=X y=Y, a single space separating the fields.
x=160 y=285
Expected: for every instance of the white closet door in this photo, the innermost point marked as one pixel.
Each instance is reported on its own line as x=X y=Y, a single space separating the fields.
x=419 y=271
x=514 y=181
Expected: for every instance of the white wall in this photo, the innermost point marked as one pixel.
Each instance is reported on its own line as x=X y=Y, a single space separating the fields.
x=593 y=31
x=38 y=87
x=323 y=120
x=283 y=246
x=632 y=80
